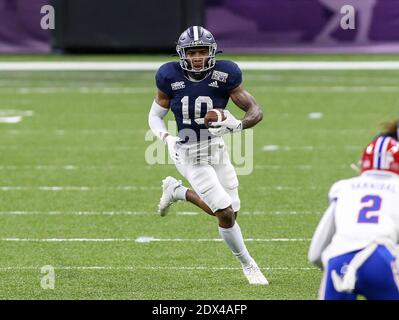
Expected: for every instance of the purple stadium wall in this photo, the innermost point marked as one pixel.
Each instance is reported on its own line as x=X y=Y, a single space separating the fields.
x=246 y=26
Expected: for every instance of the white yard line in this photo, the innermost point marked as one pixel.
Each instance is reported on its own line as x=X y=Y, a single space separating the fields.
x=327 y=89
x=285 y=188
x=83 y=90
x=324 y=78
x=13 y=119
x=76 y=131
x=148 y=240
x=133 y=268
x=133 y=188
x=141 y=213
x=275 y=148
x=76 y=147
x=116 y=167
x=299 y=167
x=152 y=66
x=76 y=213
x=77 y=188
x=135 y=91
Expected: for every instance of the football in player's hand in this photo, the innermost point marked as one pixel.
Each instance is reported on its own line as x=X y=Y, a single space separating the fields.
x=214 y=115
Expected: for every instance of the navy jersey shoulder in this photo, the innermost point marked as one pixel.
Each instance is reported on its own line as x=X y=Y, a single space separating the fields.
x=167 y=74
x=231 y=69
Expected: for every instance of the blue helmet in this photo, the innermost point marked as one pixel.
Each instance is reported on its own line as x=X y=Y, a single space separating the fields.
x=195 y=37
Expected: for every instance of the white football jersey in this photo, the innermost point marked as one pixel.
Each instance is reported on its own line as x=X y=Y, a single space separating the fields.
x=366 y=208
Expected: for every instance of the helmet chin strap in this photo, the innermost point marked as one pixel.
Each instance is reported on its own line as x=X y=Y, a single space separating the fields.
x=197 y=76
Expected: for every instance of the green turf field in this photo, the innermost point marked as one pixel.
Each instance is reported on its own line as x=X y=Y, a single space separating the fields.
x=84 y=132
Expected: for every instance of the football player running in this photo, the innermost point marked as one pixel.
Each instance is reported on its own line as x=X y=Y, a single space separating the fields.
x=190 y=88
x=356 y=240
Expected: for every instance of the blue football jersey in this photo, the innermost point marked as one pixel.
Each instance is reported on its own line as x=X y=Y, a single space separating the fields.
x=190 y=100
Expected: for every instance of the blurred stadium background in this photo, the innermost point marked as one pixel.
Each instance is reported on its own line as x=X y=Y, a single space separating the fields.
x=76 y=192
x=250 y=26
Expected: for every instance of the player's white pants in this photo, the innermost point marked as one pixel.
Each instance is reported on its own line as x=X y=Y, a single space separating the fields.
x=214 y=178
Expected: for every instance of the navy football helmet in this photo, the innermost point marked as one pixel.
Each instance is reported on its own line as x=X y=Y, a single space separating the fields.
x=196 y=37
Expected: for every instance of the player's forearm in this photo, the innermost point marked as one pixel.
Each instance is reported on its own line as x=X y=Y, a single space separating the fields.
x=156 y=122
x=245 y=101
x=253 y=115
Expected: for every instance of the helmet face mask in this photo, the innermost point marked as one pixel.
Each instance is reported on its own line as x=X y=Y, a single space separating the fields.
x=187 y=64
x=196 y=38
x=381 y=154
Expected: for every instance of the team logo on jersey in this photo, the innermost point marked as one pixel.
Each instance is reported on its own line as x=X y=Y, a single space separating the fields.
x=219 y=76
x=213 y=84
x=178 y=85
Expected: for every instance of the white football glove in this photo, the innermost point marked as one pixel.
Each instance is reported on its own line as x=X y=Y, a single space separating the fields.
x=231 y=124
x=171 y=143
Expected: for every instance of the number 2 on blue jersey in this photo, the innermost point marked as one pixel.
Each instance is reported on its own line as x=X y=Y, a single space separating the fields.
x=369 y=213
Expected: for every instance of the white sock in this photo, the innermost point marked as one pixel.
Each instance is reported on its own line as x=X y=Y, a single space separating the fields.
x=180 y=193
x=233 y=237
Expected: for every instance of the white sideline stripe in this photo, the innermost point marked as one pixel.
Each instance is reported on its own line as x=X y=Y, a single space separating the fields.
x=152 y=66
x=188 y=268
x=147 y=240
x=137 y=213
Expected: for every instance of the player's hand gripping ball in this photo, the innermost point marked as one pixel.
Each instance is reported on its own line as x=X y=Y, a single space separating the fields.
x=214 y=115
x=228 y=124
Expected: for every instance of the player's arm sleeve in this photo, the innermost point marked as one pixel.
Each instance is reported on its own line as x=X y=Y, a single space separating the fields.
x=322 y=236
x=155 y=120
x=235 y=77
x=161 y=81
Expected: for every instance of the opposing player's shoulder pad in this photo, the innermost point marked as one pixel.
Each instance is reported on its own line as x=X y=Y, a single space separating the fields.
x=230 y=71
x=164 y=77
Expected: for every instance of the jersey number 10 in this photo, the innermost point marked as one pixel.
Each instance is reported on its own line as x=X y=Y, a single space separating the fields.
x=197 y=109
